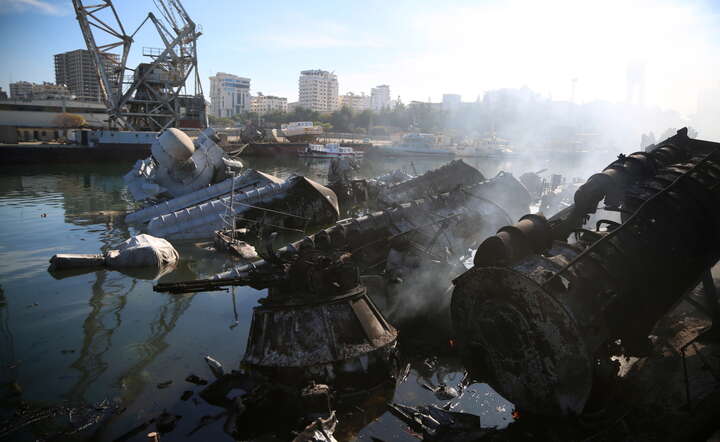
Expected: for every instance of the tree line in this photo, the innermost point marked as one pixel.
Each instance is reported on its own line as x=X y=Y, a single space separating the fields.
x=418 y=117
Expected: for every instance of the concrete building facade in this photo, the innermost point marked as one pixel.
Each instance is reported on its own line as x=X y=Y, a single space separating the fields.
x=27 y=91
x=380 y=97
x=49 y=91
x=229 y=95
x=318 y=90
x=76 y=70
x=263 y=104
x=21 y=90
x=357 y=103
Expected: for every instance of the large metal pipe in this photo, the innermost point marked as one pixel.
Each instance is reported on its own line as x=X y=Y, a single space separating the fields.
x=539 y=324
x=512 y=243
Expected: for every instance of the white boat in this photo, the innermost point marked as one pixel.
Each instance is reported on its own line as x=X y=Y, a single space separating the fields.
x=416 y=144
x=301 y=131
x=492 y=147
x=330 y=150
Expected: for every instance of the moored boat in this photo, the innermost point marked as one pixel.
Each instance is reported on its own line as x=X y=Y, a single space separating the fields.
x=301 y=131
x=416 y=144
x=330 y=150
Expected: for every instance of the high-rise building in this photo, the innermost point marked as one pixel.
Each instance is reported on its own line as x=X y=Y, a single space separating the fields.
x=451 y=102
x=229 y=95
x=76 y=70
x=380 y=97
x=263 y=104
x=357 y=103
x=318 y=90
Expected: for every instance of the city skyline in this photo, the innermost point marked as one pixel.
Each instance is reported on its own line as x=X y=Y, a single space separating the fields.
x=558 y=49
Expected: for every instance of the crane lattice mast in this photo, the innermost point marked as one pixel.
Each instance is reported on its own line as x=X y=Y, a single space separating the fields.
x=154 y=95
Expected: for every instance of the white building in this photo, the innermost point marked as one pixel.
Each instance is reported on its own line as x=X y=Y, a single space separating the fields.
x=229 y=95
x=380 y=97
x=263 y=104
x=357 y=103
x=318 y=90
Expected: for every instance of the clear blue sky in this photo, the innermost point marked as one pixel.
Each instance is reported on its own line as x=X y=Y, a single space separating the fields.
x=420 y=48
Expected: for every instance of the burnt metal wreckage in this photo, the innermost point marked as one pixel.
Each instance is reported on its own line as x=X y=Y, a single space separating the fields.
x=318 y=329
x=539 y=313
x=450 y=220
x=397 y=187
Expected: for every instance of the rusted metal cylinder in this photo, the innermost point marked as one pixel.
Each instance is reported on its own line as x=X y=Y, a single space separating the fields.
x=512 y=243
x=612 y=182
x=539 y=324
x=532 y=234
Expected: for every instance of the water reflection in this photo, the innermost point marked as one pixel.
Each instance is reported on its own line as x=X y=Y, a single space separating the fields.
x=104 y=318
x=132 y=381
x=106 y=334
x=8 y=362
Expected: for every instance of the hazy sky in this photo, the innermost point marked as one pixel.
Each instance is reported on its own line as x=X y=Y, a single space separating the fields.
x=422 y=49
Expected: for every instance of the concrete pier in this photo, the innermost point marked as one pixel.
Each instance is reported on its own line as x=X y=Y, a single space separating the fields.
x=27 y=153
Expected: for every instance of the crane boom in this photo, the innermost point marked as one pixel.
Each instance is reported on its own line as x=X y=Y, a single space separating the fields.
x=154 y=95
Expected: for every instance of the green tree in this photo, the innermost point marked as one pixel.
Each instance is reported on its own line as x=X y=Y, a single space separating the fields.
x=220 y=121
x=69 y=121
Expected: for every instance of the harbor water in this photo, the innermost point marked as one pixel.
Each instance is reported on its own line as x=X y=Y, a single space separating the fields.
x=105 y=335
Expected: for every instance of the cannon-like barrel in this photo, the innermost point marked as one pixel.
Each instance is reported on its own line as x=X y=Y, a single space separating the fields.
x=512 y=243
x=539 y=324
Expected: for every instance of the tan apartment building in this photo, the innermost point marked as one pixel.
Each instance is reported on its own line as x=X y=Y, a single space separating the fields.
x=357 y=103
x=318 y=90
x=264 y=104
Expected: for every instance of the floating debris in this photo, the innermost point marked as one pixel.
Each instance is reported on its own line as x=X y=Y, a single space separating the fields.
x=444 y=391
x=194 y=379
x=139 y=251
x=215 y=367
x=165 y=423
x=320 y=430
x=224 y=241
x=433 y=423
